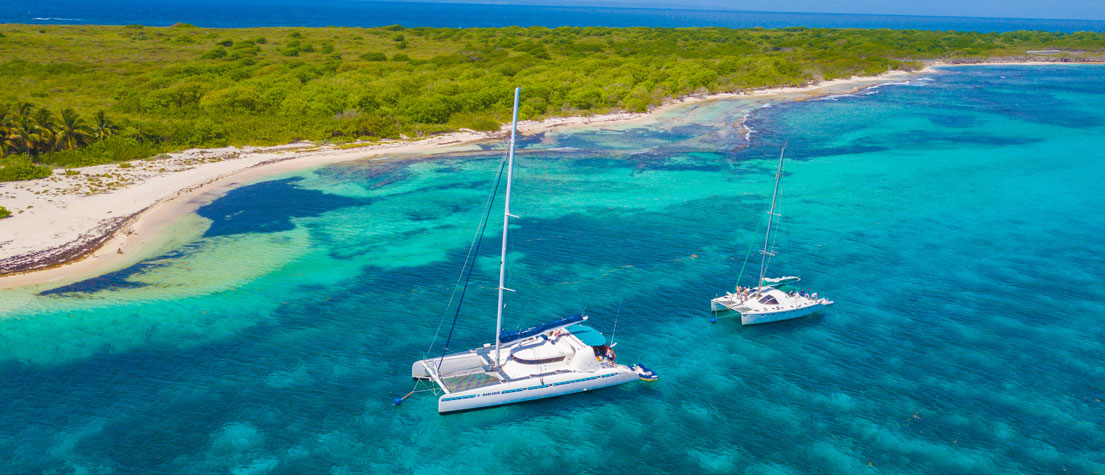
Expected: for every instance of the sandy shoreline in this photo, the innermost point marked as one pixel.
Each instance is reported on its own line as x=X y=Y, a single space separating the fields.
x=69 y=227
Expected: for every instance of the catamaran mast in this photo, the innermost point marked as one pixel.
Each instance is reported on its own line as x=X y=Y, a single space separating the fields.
x=770 y=216
x=506 y=225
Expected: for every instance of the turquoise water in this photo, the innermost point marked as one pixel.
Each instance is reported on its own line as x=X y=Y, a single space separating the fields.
x=955 y=220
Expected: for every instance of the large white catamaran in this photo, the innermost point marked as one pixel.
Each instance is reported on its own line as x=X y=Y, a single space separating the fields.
x=772 y=299
x=552 y=359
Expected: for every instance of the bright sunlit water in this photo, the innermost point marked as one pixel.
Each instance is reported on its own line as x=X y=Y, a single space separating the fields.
x=956 y=220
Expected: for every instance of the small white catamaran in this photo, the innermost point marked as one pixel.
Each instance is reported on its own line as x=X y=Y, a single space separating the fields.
x=553 y=359
x=770 y=300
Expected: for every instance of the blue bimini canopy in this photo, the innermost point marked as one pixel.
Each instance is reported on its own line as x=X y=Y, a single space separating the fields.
x=507 y=337
x=589 y=336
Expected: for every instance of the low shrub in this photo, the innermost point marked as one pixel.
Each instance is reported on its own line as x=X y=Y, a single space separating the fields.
x=112 y=149
x=20 y=167
x=374 y=56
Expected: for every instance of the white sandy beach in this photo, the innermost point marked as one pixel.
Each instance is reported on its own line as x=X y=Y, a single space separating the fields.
x=73 y=226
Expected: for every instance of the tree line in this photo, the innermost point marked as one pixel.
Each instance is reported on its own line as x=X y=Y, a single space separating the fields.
x=29 y=134
x=180 y=87
x=30 y=130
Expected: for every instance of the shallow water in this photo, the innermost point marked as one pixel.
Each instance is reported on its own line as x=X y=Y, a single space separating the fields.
x=953 y=219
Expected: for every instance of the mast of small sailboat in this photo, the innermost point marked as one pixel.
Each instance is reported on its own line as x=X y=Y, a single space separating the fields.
x=506 y=226
x=770 y=217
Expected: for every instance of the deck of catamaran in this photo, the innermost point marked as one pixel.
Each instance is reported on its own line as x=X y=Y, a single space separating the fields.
x=553 y=359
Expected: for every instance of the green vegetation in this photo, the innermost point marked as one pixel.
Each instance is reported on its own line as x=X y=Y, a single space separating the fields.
x=183 y=86
x=20 y=167
x=45 y=137
x=4 y=213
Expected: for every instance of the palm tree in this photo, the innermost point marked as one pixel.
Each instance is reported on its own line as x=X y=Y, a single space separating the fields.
x=71 y=131
x=24 y=108
x=5 y=128
x=48 y=126
x=103 y=128
x=11 y=119
x=25 y=136
x=34 y=131
x=45 y=118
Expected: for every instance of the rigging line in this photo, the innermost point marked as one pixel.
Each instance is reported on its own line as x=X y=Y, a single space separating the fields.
x=786 y=230
x=780 y=227
x=476 y=235
x=770 y=215
x=774 y=241
x=780 y=214
x=615 y=330
x=468 y=278
x=417 y=383
x=748 y=253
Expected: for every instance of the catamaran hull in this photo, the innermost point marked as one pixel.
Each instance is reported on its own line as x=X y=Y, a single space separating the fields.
x=533 y=388
x=716 y=306
x=750 y=318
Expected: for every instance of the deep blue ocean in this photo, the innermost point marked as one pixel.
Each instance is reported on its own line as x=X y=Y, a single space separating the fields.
x=247 y=13
x=954 y=218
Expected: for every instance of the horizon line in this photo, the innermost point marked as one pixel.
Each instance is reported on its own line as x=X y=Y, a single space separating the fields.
x=579 y=4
